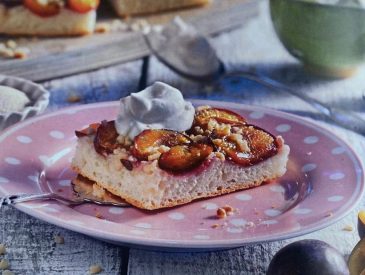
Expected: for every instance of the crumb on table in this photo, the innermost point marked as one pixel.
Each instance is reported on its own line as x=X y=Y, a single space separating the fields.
x=95 y=269
x=2 y=249
x=4 y=264
x=59 y=239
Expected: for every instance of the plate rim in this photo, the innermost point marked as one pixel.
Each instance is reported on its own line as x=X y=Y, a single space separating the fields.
x=129 y=239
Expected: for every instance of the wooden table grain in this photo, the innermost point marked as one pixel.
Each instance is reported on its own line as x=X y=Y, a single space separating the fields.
x=31 y=247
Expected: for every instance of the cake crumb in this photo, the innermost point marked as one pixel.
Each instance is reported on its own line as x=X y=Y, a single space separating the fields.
x=4 y=264
x=103 y=27
x=2 y=249
x=99 y=216
x=221 y=213
x=95 y=269
x=229 y=210
x=250 y=224
x=59 y=239
x=73 y=98
x=21 y=53
x=216 y=225
x=348 y=228
x=11 y=44
x=330 y=214
x=7 y=272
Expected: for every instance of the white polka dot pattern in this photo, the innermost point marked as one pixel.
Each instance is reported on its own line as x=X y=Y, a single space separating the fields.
x=335 y=198
x=57 y=134
x=302 y=211
x=234 y=230
x=116 y=210
x=272 y=212
x=24 y=139
x=338 y=151
x=311 y=140
x=65 y=183
x=176 y=216
x=243 y=197
x=283 y=128
x=12 y=161
x=3 y=180
x=277 y=189
x=256 y=115
x=209 y=206
x=309 y=167
x=238 y=222
x=143 y=225
x=337 y=176
x=269 y=222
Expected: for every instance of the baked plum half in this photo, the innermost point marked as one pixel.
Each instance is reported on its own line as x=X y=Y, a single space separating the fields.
x=183 y=158
x=203 y=116
x=151 y=141
x=250 y=145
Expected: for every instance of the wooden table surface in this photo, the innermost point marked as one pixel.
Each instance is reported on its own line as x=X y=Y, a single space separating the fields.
x=31 y=248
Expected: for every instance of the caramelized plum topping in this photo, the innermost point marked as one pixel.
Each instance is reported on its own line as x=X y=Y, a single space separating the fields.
x=149 y=141
x=88 y=131
x=43 y=9
x=183 y=158
x=203 y=116
x=105 y=140
x=249 y=147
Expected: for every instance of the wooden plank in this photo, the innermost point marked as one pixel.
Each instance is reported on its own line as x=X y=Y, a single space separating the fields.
x=31 y=248
x=62 y=57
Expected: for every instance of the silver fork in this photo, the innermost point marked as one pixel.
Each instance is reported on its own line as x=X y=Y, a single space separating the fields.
x=13 y=199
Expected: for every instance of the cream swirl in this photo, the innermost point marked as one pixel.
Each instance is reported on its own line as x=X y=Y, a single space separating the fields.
x=159 y=106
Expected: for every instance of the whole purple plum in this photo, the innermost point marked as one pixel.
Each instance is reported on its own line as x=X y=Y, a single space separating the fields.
x=308 y=257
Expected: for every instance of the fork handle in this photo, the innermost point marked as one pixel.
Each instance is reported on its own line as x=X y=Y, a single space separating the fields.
x=13 y=199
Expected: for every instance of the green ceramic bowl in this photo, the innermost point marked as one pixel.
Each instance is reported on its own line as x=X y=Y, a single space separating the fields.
x=328 y=39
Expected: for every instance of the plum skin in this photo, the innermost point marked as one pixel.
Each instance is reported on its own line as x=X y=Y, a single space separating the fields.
x=308 y=257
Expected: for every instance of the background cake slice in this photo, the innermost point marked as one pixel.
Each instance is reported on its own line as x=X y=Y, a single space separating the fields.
x=25 y=20
x=131 y=7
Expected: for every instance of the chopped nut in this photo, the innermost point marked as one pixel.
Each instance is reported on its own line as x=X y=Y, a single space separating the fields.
x=163 y=149
x=21 y=53
x=2 y=249
x=154 y=156
x=201 y=108
x=102 y=27
x=220 y=155
x=11 y=44
x=348 y=228
x=4 y=264
x=7 y=272
x=98 y=215
x=95 y=269
x=221 y=213
x=250 y=224
x=242 y=144
x=228 y=208
x=59 y=239
x=8 y=53
x=74 y=98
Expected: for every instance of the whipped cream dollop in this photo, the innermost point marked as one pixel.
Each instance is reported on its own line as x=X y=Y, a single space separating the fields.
x=159 y=106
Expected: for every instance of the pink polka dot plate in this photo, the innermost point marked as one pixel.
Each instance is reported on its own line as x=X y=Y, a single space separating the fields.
x=324 y=181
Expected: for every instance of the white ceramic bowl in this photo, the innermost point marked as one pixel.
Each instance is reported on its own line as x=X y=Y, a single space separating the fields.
x=37 y=94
